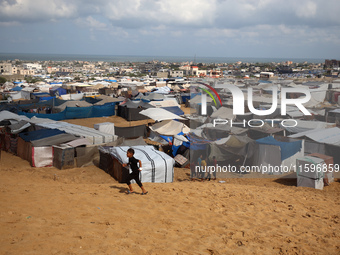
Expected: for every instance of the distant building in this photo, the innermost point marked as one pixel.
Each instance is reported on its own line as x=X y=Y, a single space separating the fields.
x=177 y=73
x=332 y=63
x=163 y=74
x=266 y=74
x=31 y=66
x=6 y=68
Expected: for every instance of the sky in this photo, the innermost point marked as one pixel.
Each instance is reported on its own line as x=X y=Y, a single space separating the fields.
x=208 y=28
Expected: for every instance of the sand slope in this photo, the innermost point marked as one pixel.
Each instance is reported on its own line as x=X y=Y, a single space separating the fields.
x=85 y=211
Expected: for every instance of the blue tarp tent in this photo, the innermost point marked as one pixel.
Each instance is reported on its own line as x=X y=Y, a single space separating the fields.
x=57 y=90
x=288 y=149
x=17 y=88
x=39 y=134
x=77 y=112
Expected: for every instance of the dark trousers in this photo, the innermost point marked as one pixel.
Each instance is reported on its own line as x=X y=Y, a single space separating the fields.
x=134 y=176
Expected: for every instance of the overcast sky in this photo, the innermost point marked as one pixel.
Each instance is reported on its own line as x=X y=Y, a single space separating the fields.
x=209 y=28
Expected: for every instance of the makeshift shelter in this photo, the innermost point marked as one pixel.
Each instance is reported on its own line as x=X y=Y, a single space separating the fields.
x=227 y=148
x=153 y=97
x=264 y=131
x=157 y=166
x=94 y=136
x=323 y=141
x=71 y=103
x=272 y=154
x=130 y=110
x=57 y=91
x=131 y=132
x=107 y=99
x=36 y=146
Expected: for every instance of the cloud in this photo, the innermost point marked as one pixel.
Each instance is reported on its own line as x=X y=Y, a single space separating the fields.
x=91 y=23
x=199 y=22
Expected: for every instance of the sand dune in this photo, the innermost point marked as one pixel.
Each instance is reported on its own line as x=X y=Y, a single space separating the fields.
x=85 y=211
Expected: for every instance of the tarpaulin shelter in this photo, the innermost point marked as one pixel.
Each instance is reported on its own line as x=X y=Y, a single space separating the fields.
x=57 y=91
x=17 y=88
x=36 y=146
x=70 y=103
x=130 y=110
x=271 y=152
x=94 y=136
x=323 y=141
x=77 y=112
x=232 y=147
x=153 y=97
x=131 y=132
x=157 y=166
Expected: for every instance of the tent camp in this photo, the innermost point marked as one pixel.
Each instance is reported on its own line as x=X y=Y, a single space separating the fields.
x=157 y=166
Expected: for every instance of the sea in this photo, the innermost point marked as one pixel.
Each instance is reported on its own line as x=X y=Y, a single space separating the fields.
x=127 y=58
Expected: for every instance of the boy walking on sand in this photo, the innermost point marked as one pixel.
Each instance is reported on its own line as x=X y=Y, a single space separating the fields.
x=133 y=163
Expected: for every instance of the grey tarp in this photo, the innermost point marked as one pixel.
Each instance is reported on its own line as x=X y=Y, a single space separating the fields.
x=54 y=140
x=87 y=156
x=233 y=145
x=18 y=127
x=131 y=132
x=134 y=142
x=70 y=103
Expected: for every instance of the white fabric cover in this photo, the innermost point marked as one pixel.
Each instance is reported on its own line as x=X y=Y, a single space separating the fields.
x=106 y=127
x=304 y=125
x=160 y=114
x=157 y=166
x=328 y=136
x=42 y=156
x=223 y=113
x=170 y=127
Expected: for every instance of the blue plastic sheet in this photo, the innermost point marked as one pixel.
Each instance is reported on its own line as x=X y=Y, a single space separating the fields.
x=288 y=149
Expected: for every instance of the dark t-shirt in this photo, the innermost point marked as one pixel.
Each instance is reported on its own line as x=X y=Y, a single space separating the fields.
x=133 y=162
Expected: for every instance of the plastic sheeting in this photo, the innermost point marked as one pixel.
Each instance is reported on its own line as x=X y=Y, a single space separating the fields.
x=77 y=112
x=131 y=132
x=42 y=156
